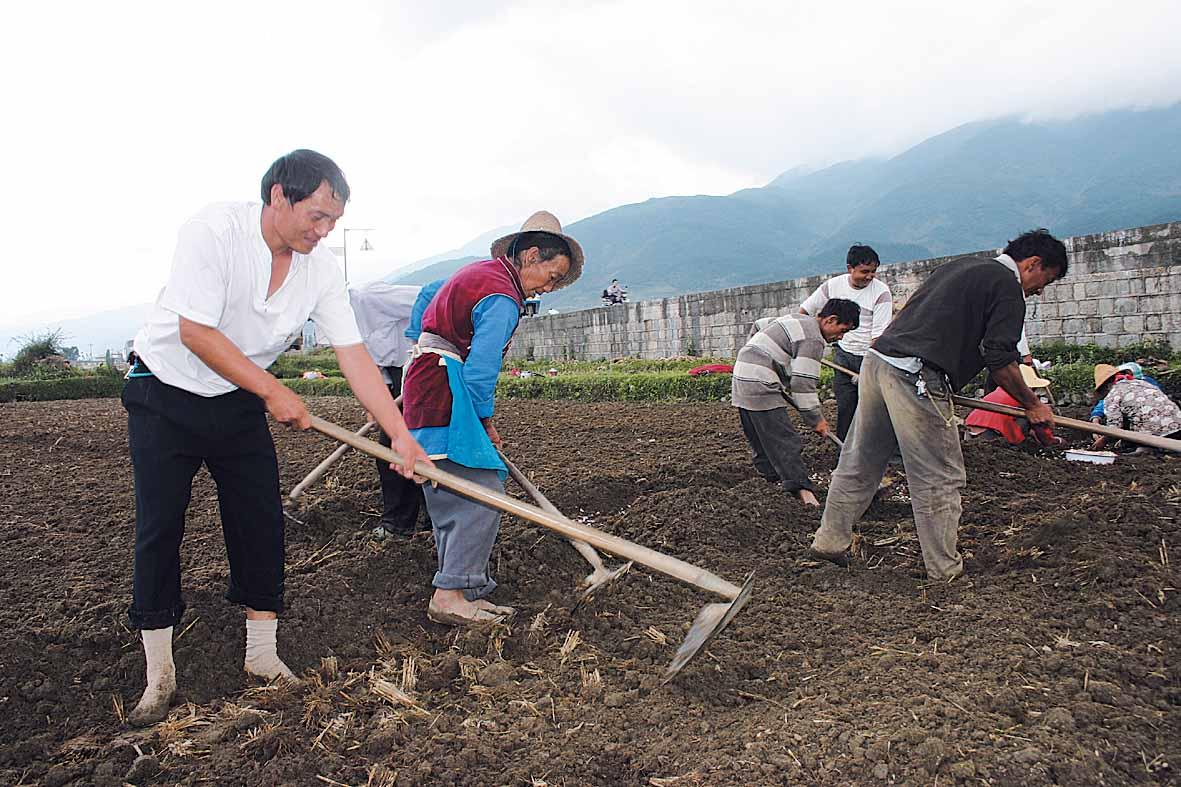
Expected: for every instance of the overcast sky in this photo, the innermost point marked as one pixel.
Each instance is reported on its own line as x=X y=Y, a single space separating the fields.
x=451 y=118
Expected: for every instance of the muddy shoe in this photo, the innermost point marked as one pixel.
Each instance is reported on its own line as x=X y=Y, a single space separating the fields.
x=837 y=558
x=154 y=704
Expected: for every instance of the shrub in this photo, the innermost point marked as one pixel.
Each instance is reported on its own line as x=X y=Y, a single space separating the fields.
x=98 y=386
x=328 y=386
x=35 y=347
x=292 y=364
x=1061 y=352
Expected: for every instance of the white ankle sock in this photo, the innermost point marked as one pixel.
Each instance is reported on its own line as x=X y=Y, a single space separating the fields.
x=261 y=656
x=161 y=674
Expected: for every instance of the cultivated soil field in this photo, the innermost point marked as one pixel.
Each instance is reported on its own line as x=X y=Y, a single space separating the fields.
x=1052 y=661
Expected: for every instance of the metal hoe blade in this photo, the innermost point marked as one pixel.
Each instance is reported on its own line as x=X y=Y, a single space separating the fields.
x=710 y=622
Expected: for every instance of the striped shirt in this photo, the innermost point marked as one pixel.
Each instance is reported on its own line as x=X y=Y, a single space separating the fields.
x=780 y=363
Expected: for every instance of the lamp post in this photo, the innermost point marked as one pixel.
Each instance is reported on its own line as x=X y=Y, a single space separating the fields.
x=365 y=246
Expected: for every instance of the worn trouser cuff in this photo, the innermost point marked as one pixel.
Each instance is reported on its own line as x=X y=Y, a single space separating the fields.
x=474 y=586
x=156 y=618
x=256 y=601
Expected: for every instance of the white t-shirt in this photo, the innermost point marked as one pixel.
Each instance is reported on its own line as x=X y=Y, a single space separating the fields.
x=876 y=309
x=220 y=274
x=383 y=314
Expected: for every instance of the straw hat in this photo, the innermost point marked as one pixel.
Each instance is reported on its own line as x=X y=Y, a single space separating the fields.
x=544 y=221
x=1031 y=379
x=1103 y=373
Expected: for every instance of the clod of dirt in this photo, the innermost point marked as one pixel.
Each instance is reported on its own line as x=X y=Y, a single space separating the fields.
x=440 y=675
x=497 y=674
x=145 y=767
x=932 y=751
x=1101 y=691
x=964 y=769
x=222 y=730
x=1059 y=719
x=881 y=771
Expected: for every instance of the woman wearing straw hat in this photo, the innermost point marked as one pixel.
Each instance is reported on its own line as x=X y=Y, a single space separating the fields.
x=1134 y=404
x=448 y=400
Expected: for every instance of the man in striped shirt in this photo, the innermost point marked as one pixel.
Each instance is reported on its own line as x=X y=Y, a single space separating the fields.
x=861 y=286
x=780 y=363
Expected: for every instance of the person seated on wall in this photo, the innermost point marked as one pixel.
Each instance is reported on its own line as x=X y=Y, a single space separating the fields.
x=986 y=425
x=1098 y=414
x=448 y=401
x=1131 y=403
x=780 y=364
x=615 y=293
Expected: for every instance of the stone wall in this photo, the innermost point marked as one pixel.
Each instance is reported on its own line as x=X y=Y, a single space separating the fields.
x=1122 y=287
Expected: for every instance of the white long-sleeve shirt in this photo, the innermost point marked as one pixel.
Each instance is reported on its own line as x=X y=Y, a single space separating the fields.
x=876 y=309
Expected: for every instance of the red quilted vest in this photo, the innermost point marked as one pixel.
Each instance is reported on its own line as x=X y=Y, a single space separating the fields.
x=426 y=396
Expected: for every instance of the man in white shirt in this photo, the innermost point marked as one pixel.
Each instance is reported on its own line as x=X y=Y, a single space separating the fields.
x=383 y=315
x=245 y=277
x=861 y=286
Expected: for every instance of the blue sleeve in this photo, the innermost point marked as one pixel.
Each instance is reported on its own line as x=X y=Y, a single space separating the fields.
x=425 y=296
x=1097 y=410
x=495 y=320
x=1153 y=382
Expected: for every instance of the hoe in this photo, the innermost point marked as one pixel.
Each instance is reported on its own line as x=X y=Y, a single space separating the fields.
x=1140 y=438
x=600 y=575
x=710 y=621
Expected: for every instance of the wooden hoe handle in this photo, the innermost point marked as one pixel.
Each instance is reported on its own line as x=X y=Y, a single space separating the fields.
x=1141 y=438
x=658 y=561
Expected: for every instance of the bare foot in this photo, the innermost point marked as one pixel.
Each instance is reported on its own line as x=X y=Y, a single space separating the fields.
x=808 y=498
x=450 y=607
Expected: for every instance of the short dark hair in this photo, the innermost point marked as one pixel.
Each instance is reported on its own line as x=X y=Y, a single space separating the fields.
x=300 y=173
x=548 y=244
x=846 y=312
x=861 y=255
x=1040 y=243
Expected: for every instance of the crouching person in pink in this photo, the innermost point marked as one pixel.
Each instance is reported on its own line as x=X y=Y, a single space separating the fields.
x=448 y=401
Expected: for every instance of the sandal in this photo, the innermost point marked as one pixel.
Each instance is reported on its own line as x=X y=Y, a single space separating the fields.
x=479 y=618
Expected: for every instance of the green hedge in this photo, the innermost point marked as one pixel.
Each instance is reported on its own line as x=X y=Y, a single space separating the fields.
x=328 y=386
x=99 y=386
x=290 y=365
x=625 y=365
x=1060 y=352
x=641 y=386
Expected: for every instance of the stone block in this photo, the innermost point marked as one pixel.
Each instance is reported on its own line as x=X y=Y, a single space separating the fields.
x=1068 y=308
x=1126 y=306
x=1112 y=325
x=1105 y=340
x=1080 y=290
x=1043 y=310
x=1106 y=306
x=1152 y=322
x=1152 y=285
x=1136 y=286
x=1089 y=308
x=1134 y=323
x=1074 y=327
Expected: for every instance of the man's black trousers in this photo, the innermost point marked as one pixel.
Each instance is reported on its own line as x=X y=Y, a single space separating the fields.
x=401 y=498
x=171 y=433
x=845 y=390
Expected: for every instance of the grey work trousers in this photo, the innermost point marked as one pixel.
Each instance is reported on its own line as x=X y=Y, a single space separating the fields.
x=891 y=415
x=465 y=532
x=777 y=447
